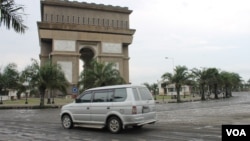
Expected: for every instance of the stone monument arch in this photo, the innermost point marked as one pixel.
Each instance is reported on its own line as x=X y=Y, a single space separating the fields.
x=71 y=31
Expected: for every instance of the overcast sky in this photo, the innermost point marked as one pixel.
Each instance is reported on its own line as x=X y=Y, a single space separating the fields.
x=194 y=33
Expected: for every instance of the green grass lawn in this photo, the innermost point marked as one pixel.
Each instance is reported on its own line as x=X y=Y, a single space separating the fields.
x=63 y=101
x=36 y=101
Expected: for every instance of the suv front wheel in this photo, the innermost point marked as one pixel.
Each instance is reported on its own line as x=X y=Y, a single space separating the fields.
x=114 y=125
x=67 y=122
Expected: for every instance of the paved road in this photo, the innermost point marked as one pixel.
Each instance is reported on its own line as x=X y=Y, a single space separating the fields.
x=194 y=121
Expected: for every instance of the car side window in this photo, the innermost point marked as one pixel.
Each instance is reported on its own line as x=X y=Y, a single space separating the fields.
x=86 y=98
x=103 y=96
x=136 y=95
x=110 y=96
x=120 y=95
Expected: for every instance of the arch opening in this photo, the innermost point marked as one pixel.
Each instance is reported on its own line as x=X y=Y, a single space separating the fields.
x=86 y=55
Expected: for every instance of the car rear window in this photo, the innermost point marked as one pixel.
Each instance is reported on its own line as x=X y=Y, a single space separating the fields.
x=145 y=94
x=120 y=95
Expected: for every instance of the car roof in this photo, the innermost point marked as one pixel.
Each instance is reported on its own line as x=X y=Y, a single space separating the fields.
x=115 y=86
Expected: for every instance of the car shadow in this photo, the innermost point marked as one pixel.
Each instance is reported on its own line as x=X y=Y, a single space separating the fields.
x=127 y=131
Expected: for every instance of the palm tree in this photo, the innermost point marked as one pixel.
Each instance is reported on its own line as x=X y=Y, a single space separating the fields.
x=248 y=84
x=230 y=80
x=201 y=78
x=236 y=81
x=213 y=79
x=226 y=80
x=59 y=82
x=99 y=74
x=48 y=76
x=179 y=78
x=10 y=17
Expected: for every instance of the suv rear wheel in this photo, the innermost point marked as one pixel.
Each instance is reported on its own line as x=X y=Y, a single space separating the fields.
x=114 y=125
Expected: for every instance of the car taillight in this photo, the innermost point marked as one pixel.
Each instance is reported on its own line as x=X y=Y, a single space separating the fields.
x=134 y=110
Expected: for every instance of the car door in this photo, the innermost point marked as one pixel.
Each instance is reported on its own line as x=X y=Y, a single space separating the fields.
x=100 y=106
x=81 y=109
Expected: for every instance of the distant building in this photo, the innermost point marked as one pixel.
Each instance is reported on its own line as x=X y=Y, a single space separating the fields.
x=11 y=95
x=170 y=89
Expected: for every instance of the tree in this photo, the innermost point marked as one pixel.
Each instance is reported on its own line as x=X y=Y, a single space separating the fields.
x=201 y=78
x=48 y=76
x=236 y=81
x=21 y=86
x=99 y=74
x=10 y=16
x=230 y=80
x=179 y=78
x=9 y=78
x=58 y=81
x=213 y=80
x=248 y=84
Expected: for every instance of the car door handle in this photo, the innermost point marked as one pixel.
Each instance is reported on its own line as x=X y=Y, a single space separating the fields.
x=108 y=107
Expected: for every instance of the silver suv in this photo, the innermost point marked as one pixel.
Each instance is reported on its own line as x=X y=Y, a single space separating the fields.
x=115 y=107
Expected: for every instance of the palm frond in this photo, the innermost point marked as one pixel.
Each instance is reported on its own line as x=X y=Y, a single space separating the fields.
x=10 y=16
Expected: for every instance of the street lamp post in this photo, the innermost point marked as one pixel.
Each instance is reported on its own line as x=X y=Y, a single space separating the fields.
x=173 y=71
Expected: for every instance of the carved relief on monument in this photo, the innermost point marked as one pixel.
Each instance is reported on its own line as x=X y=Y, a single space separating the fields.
x=111 y=47
x=64 y=45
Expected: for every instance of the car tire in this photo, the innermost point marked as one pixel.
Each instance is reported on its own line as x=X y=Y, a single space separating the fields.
x=67 y=122
x=114 y=125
